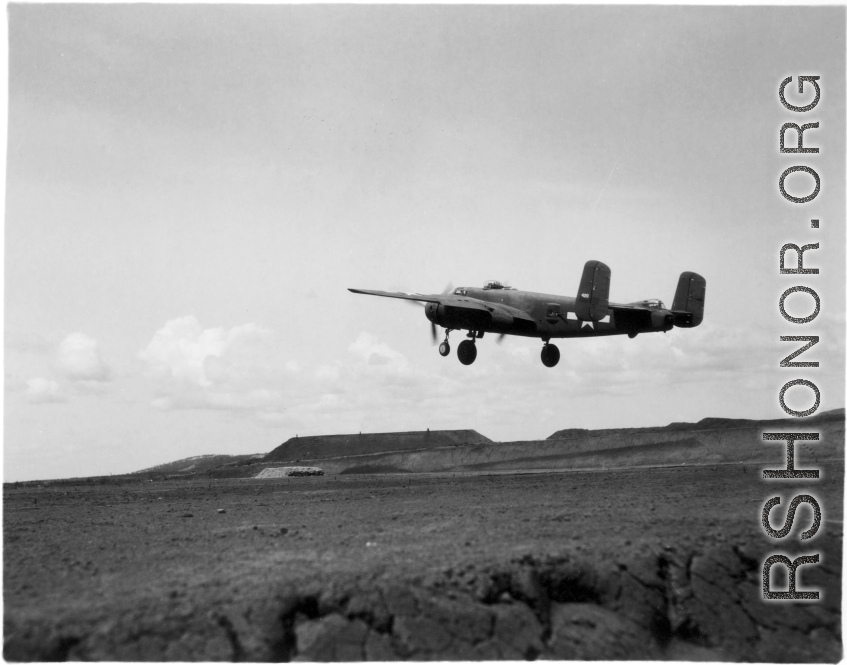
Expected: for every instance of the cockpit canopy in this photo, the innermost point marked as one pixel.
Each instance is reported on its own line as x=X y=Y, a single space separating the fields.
x=494 y=284
x=653 y=303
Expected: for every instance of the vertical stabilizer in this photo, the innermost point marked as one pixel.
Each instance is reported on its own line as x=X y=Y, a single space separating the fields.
x=592 y=300
x=689 y=300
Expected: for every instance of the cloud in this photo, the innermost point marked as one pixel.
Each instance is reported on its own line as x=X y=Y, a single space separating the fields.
x=372 y=386
x=369 y=349
x=377 y=388
x=212 y=368
x=26 y=342
x=619 y=365
x=79 y=359
x=43 y=391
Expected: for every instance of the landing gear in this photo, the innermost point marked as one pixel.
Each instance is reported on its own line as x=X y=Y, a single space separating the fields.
x=550 y=355
x=444 y=347
x=467 y=352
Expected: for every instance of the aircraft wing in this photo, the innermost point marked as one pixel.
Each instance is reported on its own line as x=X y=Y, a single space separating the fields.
x=514 y=312
x=403 y=296
x=470 y=305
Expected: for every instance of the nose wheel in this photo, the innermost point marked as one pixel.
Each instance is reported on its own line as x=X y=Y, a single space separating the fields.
x=550 y=355
x=444 y=347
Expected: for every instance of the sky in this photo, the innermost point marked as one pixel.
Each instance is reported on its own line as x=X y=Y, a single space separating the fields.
x=190 y=191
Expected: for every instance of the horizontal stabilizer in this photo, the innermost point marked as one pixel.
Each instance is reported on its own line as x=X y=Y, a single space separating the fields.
x=592 y=301
x=689 y=300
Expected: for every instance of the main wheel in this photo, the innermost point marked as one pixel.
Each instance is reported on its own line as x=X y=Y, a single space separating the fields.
x=444 y=349
x=550 y=355
x=466 y=352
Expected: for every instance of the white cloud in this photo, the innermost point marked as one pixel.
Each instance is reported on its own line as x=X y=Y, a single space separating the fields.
x=375 y=387
x=26 y=342
x=328 y=372
x=213 y=368
x=43 y=391
x=368 y=348
x=79 y=359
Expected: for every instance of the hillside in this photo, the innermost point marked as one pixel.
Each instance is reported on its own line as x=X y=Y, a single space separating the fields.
x=299 y=449
x=709 y=441
x=712 y=424
x=198 y=464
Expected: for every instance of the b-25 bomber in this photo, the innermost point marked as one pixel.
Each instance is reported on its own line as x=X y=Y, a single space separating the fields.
x=504 y=310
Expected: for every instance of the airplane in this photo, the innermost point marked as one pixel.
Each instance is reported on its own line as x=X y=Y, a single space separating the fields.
x=504 y=310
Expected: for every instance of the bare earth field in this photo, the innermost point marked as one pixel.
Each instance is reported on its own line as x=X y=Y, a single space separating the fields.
x=618 y=564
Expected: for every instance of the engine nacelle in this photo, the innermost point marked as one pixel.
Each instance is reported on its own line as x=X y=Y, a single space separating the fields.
x=460 y=318
x=432 y=312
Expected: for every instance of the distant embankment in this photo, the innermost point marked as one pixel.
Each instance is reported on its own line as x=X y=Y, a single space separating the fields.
x=300 y=449
x=710 y=441
x=198 y=464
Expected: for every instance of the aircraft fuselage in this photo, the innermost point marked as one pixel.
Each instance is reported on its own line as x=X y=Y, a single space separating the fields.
x=552 y=316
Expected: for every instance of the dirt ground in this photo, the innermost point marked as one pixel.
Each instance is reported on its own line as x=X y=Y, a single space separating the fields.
x=628 y=564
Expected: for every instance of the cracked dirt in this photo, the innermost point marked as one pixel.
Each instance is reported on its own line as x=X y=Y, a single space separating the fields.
x=660 y=563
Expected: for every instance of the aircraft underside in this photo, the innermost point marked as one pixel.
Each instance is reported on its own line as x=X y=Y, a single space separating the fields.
x=562 y=329
x=561 y=326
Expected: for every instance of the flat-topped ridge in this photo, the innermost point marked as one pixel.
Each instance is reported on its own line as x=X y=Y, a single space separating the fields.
x=708 y=424
x=341 y=445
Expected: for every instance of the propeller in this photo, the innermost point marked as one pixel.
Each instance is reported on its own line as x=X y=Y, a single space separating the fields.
x=433 y=327
x=500 y=338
